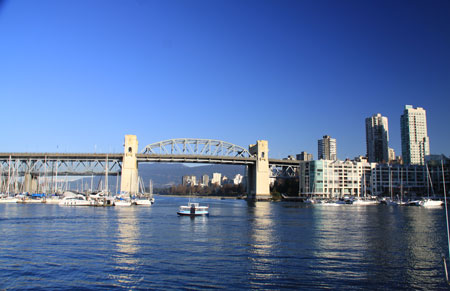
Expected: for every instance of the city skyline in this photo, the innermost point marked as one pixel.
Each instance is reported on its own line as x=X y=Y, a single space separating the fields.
x=286 y=72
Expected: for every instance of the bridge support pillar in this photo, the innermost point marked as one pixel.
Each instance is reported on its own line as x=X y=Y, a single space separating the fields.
x=258 y=180
x=30 y=183
x=129 y=181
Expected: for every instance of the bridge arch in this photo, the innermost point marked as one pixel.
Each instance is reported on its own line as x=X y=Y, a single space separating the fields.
x=199 y=147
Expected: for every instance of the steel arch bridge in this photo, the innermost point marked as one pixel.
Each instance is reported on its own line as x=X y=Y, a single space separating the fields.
x=196 y=147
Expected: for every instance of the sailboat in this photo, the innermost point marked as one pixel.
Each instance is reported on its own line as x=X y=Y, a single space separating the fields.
x=428 y=202
x=364 y=200
x=141 y=199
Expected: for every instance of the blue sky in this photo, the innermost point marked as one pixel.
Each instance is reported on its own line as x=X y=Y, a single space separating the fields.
x=76 y=76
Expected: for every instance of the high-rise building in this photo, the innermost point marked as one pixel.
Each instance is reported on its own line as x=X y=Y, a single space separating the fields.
x=377 y=139
x=304 y=156
x=391 y=154
x=216 y=179
x=189 y=181
x=327 y=148
x=415 y=140
x=205 y=180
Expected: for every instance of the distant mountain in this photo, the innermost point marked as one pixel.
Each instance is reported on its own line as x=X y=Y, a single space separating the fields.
x=164 y=175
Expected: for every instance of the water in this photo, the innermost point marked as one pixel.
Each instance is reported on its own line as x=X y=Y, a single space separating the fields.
x=239 y=246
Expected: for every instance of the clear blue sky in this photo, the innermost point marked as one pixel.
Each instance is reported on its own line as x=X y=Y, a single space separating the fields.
x=76 y=76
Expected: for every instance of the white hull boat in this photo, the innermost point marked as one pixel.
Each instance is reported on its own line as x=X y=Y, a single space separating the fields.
x=29 y=201
x=78 y=200
x=53 y=200
x=364 y=202
x=122 y=203
x=9 y=200
x=193 y=209
x=432 y=203
x=145 y=202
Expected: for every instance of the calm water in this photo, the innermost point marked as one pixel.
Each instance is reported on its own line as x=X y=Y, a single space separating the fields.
x=239 y=246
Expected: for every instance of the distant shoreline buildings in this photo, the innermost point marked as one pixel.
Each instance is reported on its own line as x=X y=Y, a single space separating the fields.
x=380 y=172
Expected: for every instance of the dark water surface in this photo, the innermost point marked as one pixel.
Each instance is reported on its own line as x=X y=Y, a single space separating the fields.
x=239 y=246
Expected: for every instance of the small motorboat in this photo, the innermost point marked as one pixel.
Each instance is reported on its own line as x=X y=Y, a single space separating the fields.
x=77 y=200
x=431 y=203
x=193 y=209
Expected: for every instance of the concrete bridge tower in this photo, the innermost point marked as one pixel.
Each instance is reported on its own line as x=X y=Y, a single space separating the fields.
x=129 y=182
x=258 y=182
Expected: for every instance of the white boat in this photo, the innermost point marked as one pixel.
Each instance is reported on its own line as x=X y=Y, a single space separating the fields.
x=122 y=203
x=35 y=198
x=428 y=202
x=364 y=202
x=144 y=201
x=53 y=200
x=193 y=209
x=335 y=203
x=431 y=203
x=122 y=200
x=77 y=200
x=8 y=199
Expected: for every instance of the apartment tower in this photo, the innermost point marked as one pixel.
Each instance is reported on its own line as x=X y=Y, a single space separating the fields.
x=377 y=139
x=327 y=148
x=415 y=140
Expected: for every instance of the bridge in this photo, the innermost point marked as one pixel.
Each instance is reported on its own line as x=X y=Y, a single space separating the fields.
x=259 y=167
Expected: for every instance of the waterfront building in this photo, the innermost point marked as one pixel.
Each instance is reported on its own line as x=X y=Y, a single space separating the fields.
x=327 y=148
x=205 y=180
x=377 y=139
x=189 y=181
x=216 y=179
x=335 y=179
x=414 y=135
x=304 y=156
x=399 y=180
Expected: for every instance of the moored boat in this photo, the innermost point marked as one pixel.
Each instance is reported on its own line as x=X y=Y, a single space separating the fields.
x=7 y=199
x=77 y=200
x=122 y=200
x=144 y=201
x=365 y=202
x=431 y=203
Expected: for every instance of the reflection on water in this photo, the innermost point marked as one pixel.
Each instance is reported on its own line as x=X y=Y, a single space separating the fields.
x=239 y=246
x=263 y=244
x=339 y=243
x=421 y=240
x=127 y=248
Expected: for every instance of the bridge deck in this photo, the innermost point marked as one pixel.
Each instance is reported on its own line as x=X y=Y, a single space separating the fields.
x=154 y=158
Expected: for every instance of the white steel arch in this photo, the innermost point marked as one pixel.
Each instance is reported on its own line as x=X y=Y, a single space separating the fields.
x=192 y=146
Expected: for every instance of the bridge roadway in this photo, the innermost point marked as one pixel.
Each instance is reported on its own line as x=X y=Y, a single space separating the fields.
x=152 y=158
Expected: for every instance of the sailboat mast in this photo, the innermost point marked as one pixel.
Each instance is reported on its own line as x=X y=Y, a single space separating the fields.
x=9 y=175
x=106 y=174
x=446 y=211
